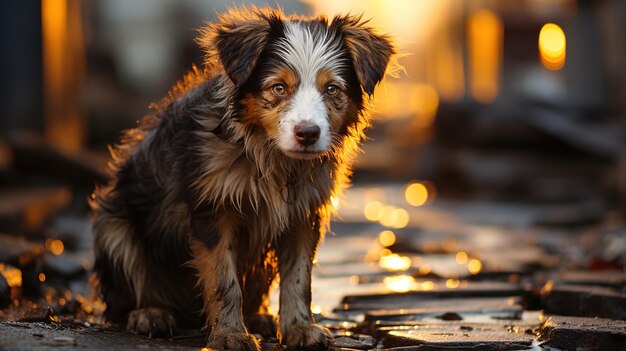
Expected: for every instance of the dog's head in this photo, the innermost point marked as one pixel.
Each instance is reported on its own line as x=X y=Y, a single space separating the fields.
x=303 y=81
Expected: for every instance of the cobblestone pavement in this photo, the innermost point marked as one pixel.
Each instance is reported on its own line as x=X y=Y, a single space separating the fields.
x=446 y=275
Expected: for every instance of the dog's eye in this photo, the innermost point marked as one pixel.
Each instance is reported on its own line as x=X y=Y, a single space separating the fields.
x=332 y=90
x=278 y=89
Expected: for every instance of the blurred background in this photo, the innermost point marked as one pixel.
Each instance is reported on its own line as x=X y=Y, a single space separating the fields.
x=503 y=102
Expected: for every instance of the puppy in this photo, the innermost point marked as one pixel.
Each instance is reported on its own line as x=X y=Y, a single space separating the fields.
x=228 y=182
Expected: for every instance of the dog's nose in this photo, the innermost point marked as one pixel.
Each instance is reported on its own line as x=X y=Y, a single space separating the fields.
x=307 y=134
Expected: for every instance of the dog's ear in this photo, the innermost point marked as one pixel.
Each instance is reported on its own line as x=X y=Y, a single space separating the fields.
x=370 y=52
x=238 y=40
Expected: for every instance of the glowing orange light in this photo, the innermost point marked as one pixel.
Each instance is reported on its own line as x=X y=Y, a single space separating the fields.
x=416 y=194
x=63 y=67
x=56 y=247
x=316 y=309
x=452 y=283
x=373 y=210
x=387 y=238
x=548 y=287
x=12 y=275
x=461 y=257
x=400 y=283
x=447 y=58
x=334 y=201
x=395 y=262
x=424 y=102
x=42 y=277
x=552 y=46
x=485 y=32
x=390 y=96
x=427 y=285
x=399 y=218
x=425 y=269
x=386 y=214
x=474 y=266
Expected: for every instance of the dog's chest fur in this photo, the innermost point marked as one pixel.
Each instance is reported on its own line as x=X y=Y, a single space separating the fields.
x=265 y=196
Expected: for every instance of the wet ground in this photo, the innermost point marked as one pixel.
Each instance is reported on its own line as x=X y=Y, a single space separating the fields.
x=441 y=275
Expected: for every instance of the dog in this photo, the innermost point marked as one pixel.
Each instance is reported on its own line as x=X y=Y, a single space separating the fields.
x=228 y=181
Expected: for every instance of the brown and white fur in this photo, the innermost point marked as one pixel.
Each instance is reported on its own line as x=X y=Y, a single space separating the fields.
x=228 y=182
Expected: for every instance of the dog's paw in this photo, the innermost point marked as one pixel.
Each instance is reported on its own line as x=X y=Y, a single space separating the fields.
x=260 y=323
x=153 y=322
x=234 y=342
x=306 y=337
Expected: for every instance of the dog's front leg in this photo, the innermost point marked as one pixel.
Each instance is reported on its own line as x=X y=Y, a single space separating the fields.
x=296 y=252
x=215 y=259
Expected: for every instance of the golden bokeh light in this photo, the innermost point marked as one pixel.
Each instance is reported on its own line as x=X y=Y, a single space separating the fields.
x=552 y=46
x=395 y=262
x=485 y=41
x=387 y=238
x=316 y=309
x=416 y=194
x=386 y=216
x=425 y=269
x=474 y=266
x=12 y=275
x=427 y=285
x=373 y=210
x=55 y=246
x=461 y=257
x=42 y=277
x=452 y=283
x=399 y=218
x=400 y=283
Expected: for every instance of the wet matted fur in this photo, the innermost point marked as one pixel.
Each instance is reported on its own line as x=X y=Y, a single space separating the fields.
x=228 y=182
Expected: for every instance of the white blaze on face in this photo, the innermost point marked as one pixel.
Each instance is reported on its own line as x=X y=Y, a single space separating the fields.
x=307 y=55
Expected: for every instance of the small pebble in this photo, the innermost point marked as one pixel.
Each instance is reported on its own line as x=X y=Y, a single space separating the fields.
x=451 y=316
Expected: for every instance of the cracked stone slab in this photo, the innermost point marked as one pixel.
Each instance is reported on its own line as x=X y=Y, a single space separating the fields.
x=458 y=337
x=579 y=333
x=49 y=336
x=501 y=306
x=384 y=299
x=585 y=301
x=528 y=323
